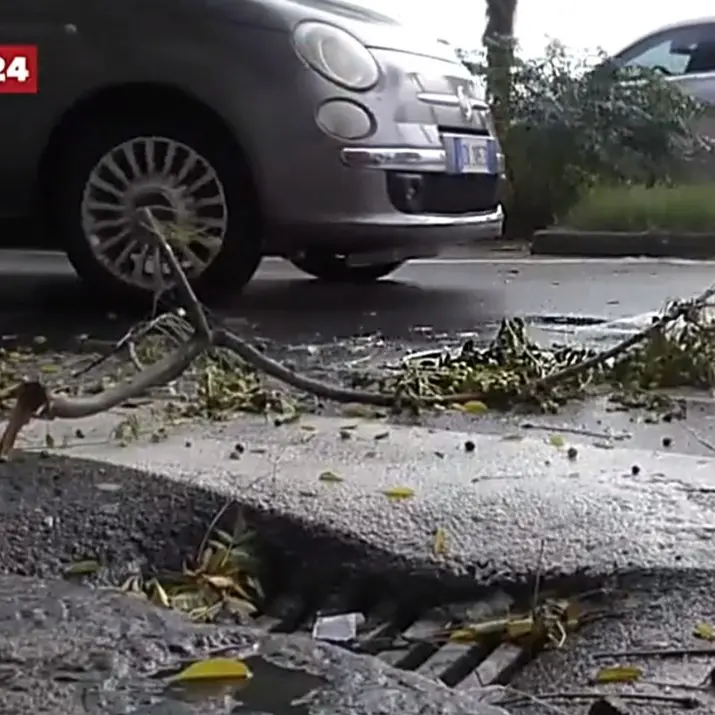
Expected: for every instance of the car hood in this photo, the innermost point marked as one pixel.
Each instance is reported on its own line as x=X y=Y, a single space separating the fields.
x=372 y=28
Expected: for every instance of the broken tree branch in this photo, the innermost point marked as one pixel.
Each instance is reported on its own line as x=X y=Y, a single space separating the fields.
x=32 y=399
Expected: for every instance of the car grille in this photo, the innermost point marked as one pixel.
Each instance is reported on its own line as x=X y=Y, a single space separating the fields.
x=443 y=193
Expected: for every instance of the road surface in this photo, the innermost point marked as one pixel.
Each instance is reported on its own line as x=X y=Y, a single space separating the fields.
x=449 y=295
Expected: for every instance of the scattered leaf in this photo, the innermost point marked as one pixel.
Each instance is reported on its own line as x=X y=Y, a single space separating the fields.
x=619 y=674
x=704 y=631
x=82 y=568
x=382 y=435
x=329 y=476
x=213 y=669
x=399 y=492
x=239 y=606
x=463 y=635
x=520 y=627
x=49 y=440
x=218 y=581
x=512 y=437
x=474 y=407
x=440 y=542
x=308 y=428
x=158 y=594
x=556 y=440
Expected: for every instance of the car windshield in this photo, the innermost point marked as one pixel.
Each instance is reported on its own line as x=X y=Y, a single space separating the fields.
x=684 y=50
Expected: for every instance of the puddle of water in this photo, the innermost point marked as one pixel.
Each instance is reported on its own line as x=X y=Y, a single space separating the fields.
x=272 y=690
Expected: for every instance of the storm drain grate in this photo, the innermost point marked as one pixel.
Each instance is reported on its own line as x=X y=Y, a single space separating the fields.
x=405 y=639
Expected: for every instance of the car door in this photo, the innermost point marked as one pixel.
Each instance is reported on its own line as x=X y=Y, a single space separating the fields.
x=67 y=68
x=25 y=118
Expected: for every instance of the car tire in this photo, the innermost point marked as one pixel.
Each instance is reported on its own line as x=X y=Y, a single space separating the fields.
x=79 y=165
x=333 y=269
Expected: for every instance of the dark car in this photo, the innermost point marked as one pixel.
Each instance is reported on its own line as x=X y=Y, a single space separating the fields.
x=315 y=130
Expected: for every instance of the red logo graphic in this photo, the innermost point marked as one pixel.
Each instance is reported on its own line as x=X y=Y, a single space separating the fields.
x=18 y=69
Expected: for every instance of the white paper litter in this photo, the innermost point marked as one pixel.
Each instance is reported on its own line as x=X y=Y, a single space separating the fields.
x=337 y=628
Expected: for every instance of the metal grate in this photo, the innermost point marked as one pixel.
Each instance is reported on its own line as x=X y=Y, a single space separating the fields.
x=404 y=639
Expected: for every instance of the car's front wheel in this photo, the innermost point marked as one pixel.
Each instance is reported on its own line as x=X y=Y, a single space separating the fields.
x=334 y=269
x=201 y=196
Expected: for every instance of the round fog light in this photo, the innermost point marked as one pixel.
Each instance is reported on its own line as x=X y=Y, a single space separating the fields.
x=344 y=119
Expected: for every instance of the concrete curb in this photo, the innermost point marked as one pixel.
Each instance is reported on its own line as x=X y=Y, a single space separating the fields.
x=57 y=510
x=622 y=244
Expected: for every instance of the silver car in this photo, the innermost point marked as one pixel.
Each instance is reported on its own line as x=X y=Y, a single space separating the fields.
x=684 y=53
x=316 y=130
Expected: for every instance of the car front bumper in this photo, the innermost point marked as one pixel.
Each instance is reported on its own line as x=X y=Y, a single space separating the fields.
x=422 y=208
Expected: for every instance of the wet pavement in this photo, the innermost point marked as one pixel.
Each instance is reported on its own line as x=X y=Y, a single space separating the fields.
x=625 y=493
x=67 y=649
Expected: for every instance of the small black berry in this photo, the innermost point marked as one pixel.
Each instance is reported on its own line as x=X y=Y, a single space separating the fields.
x=469 y=446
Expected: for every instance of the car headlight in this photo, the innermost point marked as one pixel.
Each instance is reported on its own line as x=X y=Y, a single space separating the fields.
x=337 y=55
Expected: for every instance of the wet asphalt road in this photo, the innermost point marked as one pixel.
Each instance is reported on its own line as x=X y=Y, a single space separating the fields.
x=39 y=292
x=311 y=323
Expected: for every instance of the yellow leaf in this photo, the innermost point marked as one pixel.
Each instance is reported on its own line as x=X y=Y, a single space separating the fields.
x=220 y=582
x=440 y=542
x=239 y=606
x=82 y=568
x=463 y=635
x=213 y=669
x=556 y=440
x=159 y=595
x=619 y=674
x=520 y=627
x=132 y=584
x=474 y=407
x=704 y=631
x=477 y=631
x=399 y=492
x=329 y=476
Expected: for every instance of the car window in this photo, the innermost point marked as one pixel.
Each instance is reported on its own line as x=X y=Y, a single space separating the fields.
x=685 y=50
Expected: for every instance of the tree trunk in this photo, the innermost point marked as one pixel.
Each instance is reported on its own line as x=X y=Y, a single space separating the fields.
x=498 y=40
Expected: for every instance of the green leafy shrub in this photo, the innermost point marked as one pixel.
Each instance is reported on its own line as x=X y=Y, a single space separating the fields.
x=685 y=208
x=571 y=127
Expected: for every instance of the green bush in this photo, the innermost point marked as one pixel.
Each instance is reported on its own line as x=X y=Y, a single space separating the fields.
x=572 y=127
x=641 y=208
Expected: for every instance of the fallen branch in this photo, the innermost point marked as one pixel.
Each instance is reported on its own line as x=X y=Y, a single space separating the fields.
x=32 y=399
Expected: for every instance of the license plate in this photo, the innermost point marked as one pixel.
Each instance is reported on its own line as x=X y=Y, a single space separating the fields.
x=470 y=155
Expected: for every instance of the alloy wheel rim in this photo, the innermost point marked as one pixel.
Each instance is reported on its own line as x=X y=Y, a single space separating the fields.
x=185 y=194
